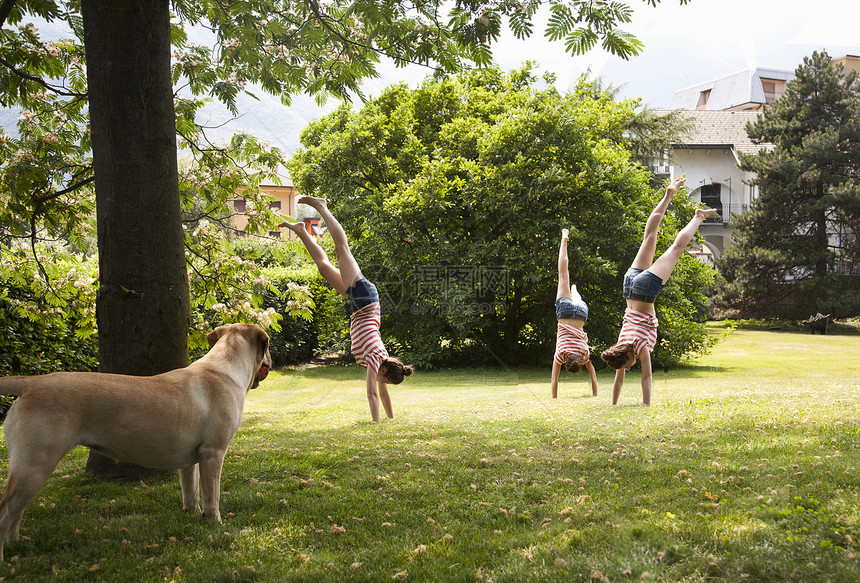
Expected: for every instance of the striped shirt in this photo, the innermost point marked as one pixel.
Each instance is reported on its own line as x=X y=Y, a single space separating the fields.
x=366 y=342
x=571 y=340
x=639 y=329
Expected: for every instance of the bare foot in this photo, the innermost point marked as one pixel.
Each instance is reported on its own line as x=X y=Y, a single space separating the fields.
x=313 y=201
x=705 y=213
x=672 y=189
x=564 y=234
x=296 y=228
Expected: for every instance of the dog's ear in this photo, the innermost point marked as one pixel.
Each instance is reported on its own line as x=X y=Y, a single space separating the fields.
x=262 y=340
x=214 y=335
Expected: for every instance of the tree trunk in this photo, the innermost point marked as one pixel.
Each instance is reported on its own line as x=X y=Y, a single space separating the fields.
x=143 y=303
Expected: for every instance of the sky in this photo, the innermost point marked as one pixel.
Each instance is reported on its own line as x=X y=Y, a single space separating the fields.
x=683 y=46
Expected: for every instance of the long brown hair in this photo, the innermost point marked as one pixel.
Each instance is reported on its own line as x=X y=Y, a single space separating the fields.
x=571 y=364
x=395 y=371
x=617 y=356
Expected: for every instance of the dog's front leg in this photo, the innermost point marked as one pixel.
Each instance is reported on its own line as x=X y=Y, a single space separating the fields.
x=210 y=461
x=188 y=482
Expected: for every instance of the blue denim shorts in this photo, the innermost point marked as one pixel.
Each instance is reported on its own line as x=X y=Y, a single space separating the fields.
x=642 y=285
x=362 y=294
x=567 y=308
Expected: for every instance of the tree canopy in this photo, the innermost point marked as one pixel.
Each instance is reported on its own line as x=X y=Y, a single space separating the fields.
x=284 y=48
x=454 y=195
x=797 y=251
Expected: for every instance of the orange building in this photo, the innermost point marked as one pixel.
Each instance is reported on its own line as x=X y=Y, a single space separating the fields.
x=285 y=203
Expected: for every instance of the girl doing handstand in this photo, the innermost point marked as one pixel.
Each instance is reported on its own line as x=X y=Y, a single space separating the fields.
x=347 y=280
x=571 y=345
x=643 y=282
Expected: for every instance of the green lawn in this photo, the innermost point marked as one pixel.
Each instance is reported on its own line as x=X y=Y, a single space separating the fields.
x=743 y=469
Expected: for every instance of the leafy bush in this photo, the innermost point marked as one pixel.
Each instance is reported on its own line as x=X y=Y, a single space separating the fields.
x=45 y=328
x=453 y=196
x=47 y=309
x=299 y=339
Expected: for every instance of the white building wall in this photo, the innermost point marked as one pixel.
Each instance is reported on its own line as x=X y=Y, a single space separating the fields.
x=716 y=166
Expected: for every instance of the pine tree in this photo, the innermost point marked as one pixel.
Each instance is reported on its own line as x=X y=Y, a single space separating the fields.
x=797 y=251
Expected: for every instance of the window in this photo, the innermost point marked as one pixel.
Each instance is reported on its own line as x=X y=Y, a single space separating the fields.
x=711 y=199
x=703 y=99
x=239 y=205
x=275 y=205
x=773 y=89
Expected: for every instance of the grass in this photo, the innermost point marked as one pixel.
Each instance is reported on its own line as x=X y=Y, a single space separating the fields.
x=743 y=469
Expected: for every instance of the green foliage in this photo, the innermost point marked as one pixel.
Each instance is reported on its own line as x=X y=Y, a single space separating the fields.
x=46 y=169
x=300 y=338
x=46 y=180
x=454 y=196
x=47 y=312
x=797 y=251
x=46 y=174
x=288 y=48
x=53 y=291
x=226 y=281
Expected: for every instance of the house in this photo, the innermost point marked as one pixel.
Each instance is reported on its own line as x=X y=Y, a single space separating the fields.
x=709 y=154
x=850 y=62
x=748 y=90
x=284 y=202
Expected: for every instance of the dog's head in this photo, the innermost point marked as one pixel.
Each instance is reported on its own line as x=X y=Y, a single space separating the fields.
x=257 y=340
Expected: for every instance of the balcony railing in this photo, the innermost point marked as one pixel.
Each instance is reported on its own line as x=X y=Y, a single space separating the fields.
x=725 y=212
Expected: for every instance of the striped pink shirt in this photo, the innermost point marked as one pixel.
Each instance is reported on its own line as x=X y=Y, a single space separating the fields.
x=571 y=340
x=366 y=342
x=639 y=329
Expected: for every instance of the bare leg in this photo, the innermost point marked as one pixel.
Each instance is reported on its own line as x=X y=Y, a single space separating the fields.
x=645 y=256
x=563 y=275
x=665 y=264
x=349 y=270
x=318 y=254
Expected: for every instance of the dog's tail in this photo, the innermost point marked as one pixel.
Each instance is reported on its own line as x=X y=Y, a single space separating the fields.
x=13 y=385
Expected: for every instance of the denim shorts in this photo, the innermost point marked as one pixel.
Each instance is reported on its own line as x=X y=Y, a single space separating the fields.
x=642 y=285
x=362 y=294
x=567 y=308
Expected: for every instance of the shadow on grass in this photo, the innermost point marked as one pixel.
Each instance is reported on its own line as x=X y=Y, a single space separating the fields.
x=670 y=490
x=468 y=376
x=453 y=378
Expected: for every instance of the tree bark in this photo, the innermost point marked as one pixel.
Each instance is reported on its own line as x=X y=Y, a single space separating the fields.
x=143 y=303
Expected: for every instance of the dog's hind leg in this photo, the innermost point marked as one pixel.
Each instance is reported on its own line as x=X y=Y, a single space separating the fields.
x=34 y=449
x=188 y=482
x=210 y=461
x=21 y=487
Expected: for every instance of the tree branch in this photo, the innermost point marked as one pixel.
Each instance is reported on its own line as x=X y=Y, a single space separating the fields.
x=5 y=9
x=67 y=190
x=33 y=240
x=40 y=81
x=323 y=20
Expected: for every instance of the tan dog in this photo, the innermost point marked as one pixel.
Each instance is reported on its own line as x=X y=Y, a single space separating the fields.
x=176 y=420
